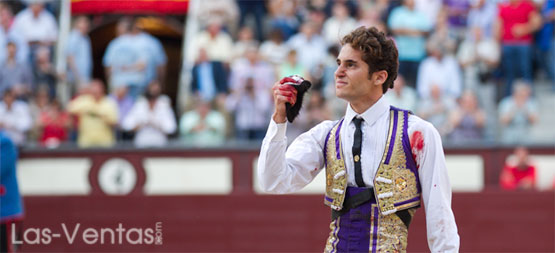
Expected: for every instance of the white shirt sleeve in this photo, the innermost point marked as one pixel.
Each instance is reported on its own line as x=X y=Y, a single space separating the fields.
x=436 y=188
x=285 y=170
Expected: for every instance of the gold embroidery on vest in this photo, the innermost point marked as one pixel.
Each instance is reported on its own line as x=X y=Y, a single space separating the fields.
x=336 y=178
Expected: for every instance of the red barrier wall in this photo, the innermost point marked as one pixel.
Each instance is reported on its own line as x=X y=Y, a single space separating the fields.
x=492 y=220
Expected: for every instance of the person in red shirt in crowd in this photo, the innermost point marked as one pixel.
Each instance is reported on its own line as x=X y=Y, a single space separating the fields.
x=54 y=123
x=516 y=22
x=519 y=171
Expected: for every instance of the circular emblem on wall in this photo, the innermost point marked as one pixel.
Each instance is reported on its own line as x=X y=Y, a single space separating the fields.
x=117 y=176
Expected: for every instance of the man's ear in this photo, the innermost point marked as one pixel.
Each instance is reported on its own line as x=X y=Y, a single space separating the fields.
x=379 y=77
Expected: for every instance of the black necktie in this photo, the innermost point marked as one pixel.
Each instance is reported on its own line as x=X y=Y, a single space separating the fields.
x=356 y=151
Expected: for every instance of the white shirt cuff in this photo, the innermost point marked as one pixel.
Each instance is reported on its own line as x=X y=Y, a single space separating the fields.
x=276 y=132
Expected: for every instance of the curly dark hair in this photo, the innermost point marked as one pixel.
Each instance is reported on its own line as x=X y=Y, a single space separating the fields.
x=378 y=51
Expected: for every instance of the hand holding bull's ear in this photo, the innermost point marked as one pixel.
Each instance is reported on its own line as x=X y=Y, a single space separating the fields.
x=300 y=85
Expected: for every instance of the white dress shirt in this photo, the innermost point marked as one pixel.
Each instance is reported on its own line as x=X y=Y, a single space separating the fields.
x=286 y=170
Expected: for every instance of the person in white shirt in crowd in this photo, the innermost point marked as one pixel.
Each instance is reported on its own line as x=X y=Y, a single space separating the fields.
x=152 y=118
x=435 y=108
x=79 y=54
x=440 y=69
x=401 y=95
x=202 y=126
x=7 y=34
x=310 y=46
x=517 y=113
x=339 y=24
x=15 y=118
x=217 y=43
x=124 y=61
x=274 y=50
x=37 y=26
x=373 y=177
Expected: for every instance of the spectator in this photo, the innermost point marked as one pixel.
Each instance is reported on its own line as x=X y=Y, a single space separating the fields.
x=44 y=73
x=545 y=40
x=261 y=73
x=97 y=117
x=251 y=108
x=430 y=8
x=53 y=124
x=274 y=49
x=339 y=24
x=124 y=61
x=37 y=106
x=516 y=22
x=457 y=13
x=409 y=27
x=310 y=47
x=402 y=96
x=37 y=26
x=370 y=16
x=283 y=17
x=15 y=75
x=217 y=43
x=8 y=34
x=209 y=77
x=79 y=54
x=435 y=108
x=467 y=120
x=15 y=118
x=152 y=118
x=519 y=173
x=292 y=67
x=203 y=126
x=443 y=33
x=225 y=10
x=156 y=56
x=245 y=39
x=517 y=113
x=317 y=110
x=256 y=9
x=124 y=102
x=479 y=53
x=441 y=70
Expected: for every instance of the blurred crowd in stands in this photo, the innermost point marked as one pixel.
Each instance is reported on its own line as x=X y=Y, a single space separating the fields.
x=470 y=67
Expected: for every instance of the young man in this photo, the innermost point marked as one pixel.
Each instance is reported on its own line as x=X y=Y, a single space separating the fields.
x=376 y=175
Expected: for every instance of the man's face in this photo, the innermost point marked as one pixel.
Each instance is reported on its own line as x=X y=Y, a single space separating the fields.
x=351 y=76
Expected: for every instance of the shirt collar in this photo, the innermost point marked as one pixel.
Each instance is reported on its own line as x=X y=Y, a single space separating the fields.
x=371 y=115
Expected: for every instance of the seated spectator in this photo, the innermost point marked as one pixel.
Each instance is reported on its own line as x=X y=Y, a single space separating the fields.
x=517 y=113
x=478 y=57
x=401 y=96
x=292 y=67
x=282 y=15
x=467 y=120
x=124 y=103
x=37 y=106
x=370 y=16
x=224 y=10
x=245 y=39
x=519 y=173
x=339 y=24
x=439 y=69
x=217 y=43
x=98 y=115
x=15 y=75
x=37 y=27
x=15 y=118
x=152 y=118
x=310 y=46
x=54 y=124
x=435 y=109
x=79 y=54
x=274 y=49
x=202 y=126
x=44 y=72
x=209 y=77
x=8 y=34
x=251 y=108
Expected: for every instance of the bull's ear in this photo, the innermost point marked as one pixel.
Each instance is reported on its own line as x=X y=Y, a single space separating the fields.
x=293 y=110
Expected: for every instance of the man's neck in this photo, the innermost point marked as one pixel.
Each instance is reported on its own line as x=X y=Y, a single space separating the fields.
x=363 y=105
